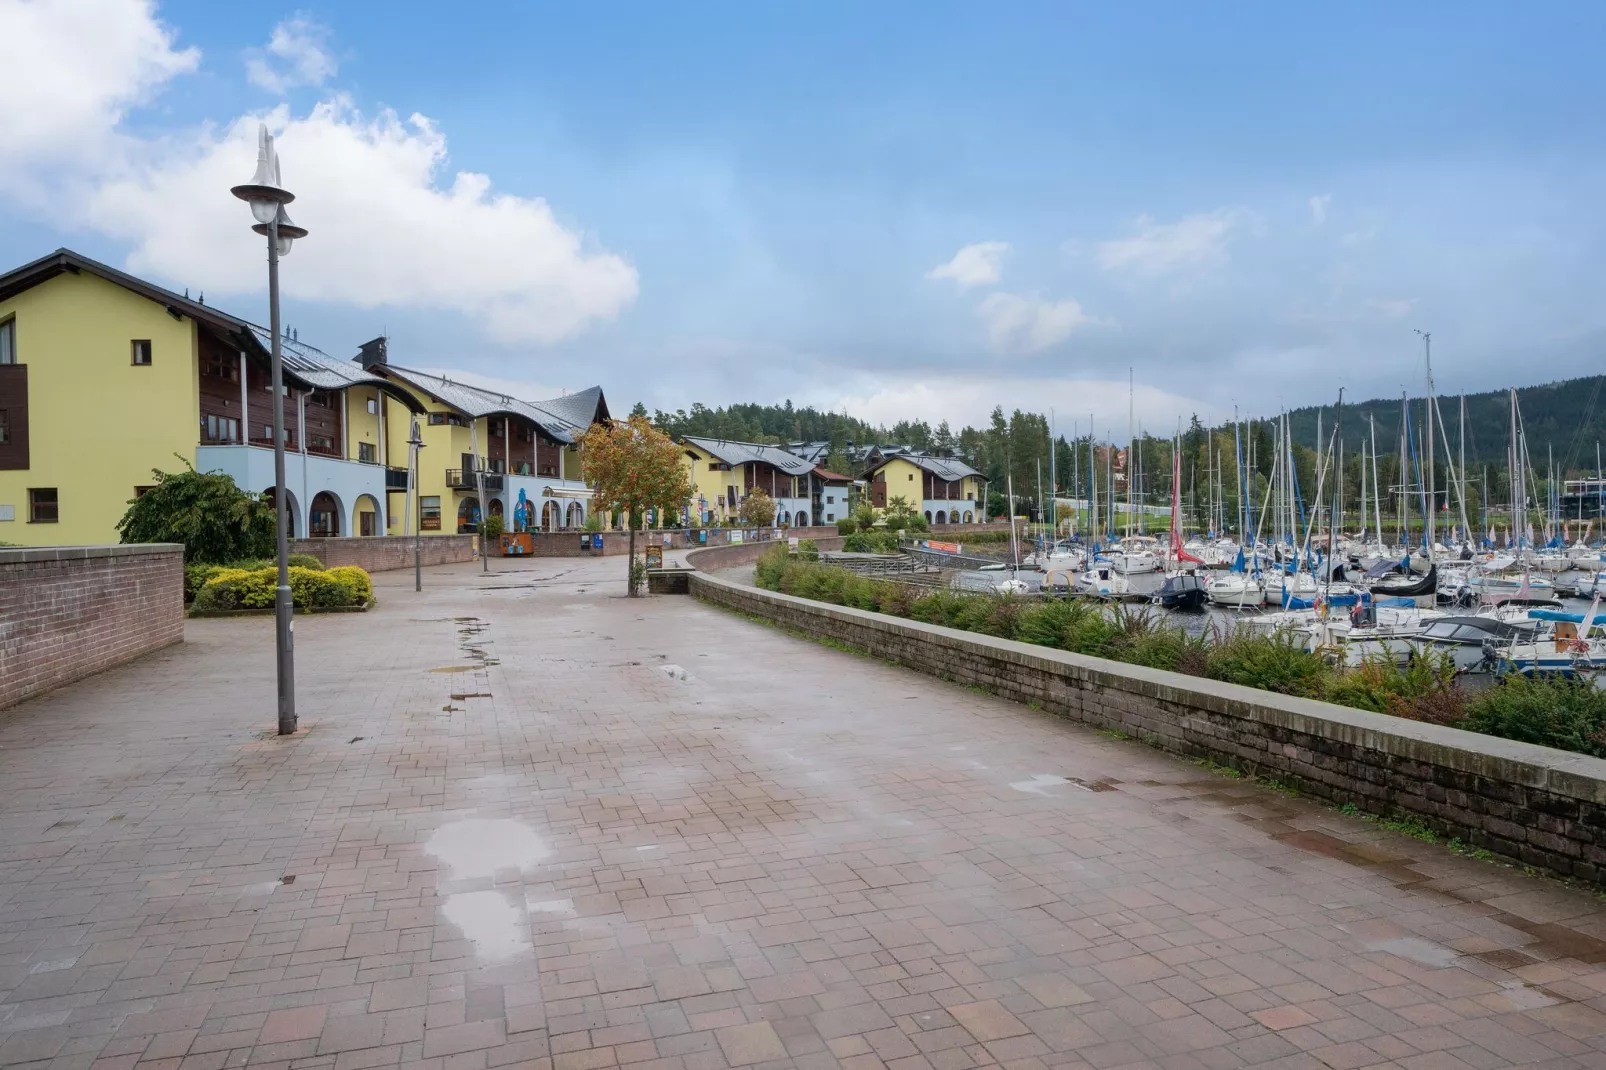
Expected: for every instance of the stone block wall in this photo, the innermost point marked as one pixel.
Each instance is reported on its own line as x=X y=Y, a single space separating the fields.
x=1540 y=806
x=380 y=553
x=67 y=612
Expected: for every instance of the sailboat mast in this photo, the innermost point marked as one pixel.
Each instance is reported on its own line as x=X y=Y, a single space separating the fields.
x=1377 y=493
x=1338 y=490
x=1466 y=526
x=1427 y=470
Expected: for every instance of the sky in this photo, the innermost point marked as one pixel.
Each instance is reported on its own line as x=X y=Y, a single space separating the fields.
x=900 y=210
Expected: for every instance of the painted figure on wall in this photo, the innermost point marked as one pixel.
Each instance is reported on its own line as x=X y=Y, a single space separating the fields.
x=521 y=513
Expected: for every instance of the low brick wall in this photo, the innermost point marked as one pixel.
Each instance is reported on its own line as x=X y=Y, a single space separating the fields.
x=1540 y=806
x=615 y=543
x=381 y=553
x=67 y=612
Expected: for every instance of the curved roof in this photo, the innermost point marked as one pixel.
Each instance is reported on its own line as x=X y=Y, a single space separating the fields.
x=750 y=452
x=564 y=419
x=947 y=469
x=314 y=368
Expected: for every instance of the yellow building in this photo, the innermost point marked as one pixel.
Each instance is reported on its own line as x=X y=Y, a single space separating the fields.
x=524 y=456
x=723 y=474
x=105 y=377
x=946 y=490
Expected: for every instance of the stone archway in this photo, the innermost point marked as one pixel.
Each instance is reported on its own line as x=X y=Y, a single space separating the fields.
x=369 y=518
x=296 y=528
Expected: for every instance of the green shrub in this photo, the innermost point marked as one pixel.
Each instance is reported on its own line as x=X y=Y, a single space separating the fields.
x=491 y=528
x=1553 y=712
x=1273 y=662
x=858 y=543
x=299 y=561
x=847 y=526
x=808 y=549
x=1425 y=688
x=238 y=588
x=214 y=519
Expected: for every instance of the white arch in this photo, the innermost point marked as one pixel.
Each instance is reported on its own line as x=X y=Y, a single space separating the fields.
x=575 y=516
x=357 y=507
x=298 y=527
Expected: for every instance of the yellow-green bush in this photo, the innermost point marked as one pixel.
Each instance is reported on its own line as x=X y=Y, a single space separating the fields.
x=309 y=588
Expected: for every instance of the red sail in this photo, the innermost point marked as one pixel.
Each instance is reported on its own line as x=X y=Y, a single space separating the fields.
x=1177 y=552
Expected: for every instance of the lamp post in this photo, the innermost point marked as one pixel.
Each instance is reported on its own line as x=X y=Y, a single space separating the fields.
x=414 y=444
x=267 y=199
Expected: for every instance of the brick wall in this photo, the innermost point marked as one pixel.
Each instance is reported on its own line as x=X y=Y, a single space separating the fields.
x=1540 y=806
x=380 y=553
x=70 y=611
x=567 y=543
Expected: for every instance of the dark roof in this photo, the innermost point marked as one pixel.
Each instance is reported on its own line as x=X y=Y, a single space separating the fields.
x=821 y=472
x=304 y=365
x=947 y=469
x=753 y=452
x=564 y=419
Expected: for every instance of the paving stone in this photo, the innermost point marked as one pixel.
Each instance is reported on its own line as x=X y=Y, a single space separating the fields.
x=556 y=854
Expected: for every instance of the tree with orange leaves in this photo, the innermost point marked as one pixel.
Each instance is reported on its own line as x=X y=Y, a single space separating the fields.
x=633 y=467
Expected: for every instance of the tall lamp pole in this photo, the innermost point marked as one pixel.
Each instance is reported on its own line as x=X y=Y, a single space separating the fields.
x=414 y=444
x=267 y=199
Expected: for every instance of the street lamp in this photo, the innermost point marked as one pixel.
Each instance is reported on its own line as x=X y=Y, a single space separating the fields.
x=267 y=199
x=414 y=444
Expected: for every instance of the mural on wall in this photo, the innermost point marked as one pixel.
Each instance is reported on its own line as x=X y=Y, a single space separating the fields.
x=521 y=513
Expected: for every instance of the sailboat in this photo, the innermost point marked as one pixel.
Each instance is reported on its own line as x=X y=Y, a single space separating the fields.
x=1183 y=589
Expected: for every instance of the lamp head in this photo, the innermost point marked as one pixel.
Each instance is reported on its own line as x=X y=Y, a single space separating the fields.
x=288 y=231
x=264 y=193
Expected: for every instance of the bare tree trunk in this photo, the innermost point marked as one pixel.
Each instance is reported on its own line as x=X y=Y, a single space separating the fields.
x=630 y=573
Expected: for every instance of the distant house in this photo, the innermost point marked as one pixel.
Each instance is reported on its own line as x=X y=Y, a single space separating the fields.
x=724 y=473
x=946 y=490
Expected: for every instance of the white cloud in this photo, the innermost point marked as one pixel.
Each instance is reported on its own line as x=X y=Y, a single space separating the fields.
x=73 y=69
x=978 y=264
x=389 y=225
x=1027 y=323
x=1318 y=208
x=965 y=400
x=1192 y=243
x=297 y=54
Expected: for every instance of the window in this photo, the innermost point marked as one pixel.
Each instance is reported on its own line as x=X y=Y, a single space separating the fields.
x=448 y=418
x=42 y=505
x=140 y=492
x=495 y=427
x=265 y=433
x=321 y=398
x=830 y=499
x=221 y=429
x=367 y=452
x=219 y=366
x=429 y=512
x=8 y=341
x=5 y=428
x=142 y=350
x=911 y=477
x=320 y=442
x=373 y=406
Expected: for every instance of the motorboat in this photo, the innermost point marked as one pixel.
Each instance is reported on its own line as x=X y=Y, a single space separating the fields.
x=1182 y=591
x=1464 y=636
x=1236 y=590
x=1102 y=581
x=1135 y=554
x=1569 y=648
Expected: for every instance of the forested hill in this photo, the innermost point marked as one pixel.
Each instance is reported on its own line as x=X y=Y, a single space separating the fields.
x=1569 y=416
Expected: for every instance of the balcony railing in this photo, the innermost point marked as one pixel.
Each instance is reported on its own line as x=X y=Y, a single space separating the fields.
x=395 y=479
x=463 y=479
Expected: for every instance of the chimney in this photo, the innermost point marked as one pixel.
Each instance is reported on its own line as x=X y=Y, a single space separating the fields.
x=371 y=352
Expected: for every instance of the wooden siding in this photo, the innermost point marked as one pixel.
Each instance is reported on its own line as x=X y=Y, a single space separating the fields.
x=14 y=402
x=219 y=394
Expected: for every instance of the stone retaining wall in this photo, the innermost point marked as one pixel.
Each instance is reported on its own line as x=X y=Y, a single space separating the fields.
x=713 y=558
x=67 y=612
x=1539 y=806
x=381 y=553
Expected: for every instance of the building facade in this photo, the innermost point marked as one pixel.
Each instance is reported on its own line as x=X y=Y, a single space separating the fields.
x=946 y=490
x=105 y=377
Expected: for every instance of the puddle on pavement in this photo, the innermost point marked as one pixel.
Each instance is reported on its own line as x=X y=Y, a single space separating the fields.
x=1039 y=783
x=490 y=922
x=478 y=847
x=1102 y=784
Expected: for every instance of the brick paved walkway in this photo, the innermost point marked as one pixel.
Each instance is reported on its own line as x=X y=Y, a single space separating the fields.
x=533 y=824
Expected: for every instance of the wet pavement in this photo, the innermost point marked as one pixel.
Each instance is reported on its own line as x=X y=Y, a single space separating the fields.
x=530 y=823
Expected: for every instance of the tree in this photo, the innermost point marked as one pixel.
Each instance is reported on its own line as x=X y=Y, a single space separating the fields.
x=901 y=516
x=633 y=467
x=758 y=509
x=638 y=410
x=215 y=520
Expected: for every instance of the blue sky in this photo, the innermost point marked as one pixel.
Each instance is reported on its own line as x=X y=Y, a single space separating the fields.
x=1247 y=204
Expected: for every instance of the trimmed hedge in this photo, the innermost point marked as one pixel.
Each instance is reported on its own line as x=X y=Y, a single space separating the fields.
x=238 y=588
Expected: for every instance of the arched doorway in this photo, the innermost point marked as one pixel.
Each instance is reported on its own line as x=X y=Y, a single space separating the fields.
x=942 y=517
x=576 y=517
x=549 y=516
x=928 y=516
x=296 y=528
x=495 y=507
x=324 y=516
x=800 y=520
x=370 y=519
x=468 y=516
x=970 y=518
